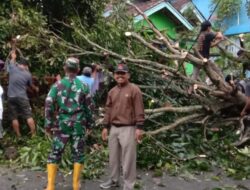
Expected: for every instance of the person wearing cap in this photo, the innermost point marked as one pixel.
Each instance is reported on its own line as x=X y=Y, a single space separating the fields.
x=68 y=116
x=86 y=78
x=123 y=120
x=18 y=102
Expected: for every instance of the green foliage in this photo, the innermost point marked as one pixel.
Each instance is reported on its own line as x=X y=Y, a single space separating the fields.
x=34 y=154
x=226 y=8
x=88 y=10
x=174 y=150
x=31 y=26
x=95 y=162
x=248 y=8
x=186 y=150
x=109 y=32
x=33 y=21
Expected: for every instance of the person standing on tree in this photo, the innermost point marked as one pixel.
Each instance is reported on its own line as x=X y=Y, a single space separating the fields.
x=124 y=118
x=18 y=101
x=206 y=40
x=69 y=98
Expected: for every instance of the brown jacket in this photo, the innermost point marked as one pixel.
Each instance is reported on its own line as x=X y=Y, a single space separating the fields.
x=124 y=106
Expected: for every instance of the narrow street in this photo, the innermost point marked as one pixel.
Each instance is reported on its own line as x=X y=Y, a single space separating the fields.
x=36 y=180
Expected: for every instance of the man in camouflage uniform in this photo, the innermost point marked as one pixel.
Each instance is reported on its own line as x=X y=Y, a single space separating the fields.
x=69 y=99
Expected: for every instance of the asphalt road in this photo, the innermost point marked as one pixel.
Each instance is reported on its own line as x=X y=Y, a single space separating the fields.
x=13 y=179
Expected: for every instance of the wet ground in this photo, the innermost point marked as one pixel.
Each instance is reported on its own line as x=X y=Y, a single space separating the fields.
x=14 y=179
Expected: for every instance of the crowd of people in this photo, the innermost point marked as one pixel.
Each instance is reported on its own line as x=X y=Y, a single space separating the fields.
x=69 y=116
x=70 y=99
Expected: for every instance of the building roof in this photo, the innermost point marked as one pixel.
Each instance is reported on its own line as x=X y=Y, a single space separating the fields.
x=146 y=5
x=182 y=5
x=142 y=5
x=152 y=6
x=179 y=4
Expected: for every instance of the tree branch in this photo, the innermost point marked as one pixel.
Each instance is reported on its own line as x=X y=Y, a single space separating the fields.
x=179 y=56
x=155 y=30
x=180 y=121
x=183 y=109
x=164 y=39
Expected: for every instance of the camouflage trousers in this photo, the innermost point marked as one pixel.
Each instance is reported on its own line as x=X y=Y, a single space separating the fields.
x=60 y=140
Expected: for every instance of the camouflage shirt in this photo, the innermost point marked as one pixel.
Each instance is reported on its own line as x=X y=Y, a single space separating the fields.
x=68 y=107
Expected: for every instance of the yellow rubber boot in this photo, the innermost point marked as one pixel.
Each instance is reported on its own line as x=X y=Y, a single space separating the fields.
x=76 y=176
x=52 y=170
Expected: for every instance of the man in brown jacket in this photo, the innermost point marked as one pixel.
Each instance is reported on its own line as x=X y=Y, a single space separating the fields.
x=124 y=119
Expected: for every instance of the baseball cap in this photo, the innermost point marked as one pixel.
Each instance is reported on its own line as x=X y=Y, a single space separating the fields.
x=72 y=63
x=121 y=68
x=87 y=70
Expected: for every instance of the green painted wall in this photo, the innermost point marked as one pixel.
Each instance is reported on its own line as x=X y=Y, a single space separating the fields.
x=162 y=23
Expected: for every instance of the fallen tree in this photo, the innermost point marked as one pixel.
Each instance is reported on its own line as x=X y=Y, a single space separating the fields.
x=207 y=102
x=179 y=126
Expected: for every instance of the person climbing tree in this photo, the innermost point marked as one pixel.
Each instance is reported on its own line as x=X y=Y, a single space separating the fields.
x=206 y=40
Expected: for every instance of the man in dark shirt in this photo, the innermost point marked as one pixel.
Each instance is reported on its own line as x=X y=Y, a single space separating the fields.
x=124 y=116
x=206 y=40
x=18 y=101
